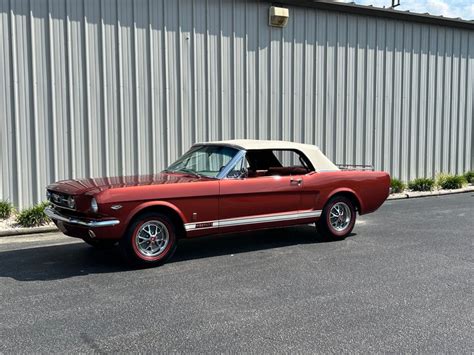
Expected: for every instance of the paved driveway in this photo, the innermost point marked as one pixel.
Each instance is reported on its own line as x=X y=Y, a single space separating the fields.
x=402 y=282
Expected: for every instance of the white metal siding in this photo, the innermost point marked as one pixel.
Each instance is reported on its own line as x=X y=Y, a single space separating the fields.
x=116 y=87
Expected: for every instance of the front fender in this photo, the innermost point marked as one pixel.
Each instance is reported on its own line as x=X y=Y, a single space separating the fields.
x=136 y=210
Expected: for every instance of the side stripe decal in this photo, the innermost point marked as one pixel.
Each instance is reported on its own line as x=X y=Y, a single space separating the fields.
x=277 y=217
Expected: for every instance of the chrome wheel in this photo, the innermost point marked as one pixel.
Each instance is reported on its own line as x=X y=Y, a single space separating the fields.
x=152 y=238
x=340 y=216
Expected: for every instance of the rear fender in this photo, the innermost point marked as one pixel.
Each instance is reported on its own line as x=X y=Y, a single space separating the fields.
x=351 y=192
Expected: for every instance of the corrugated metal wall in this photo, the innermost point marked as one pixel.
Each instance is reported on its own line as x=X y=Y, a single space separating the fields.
x=91 y=88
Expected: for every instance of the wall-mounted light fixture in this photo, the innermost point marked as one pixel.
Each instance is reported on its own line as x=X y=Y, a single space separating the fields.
x=278 y=16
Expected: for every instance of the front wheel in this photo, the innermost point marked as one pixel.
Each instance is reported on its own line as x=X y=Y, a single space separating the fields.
x=338 y=218
x=150 y=240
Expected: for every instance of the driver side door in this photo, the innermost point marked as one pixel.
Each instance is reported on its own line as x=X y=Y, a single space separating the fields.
x=246 y=202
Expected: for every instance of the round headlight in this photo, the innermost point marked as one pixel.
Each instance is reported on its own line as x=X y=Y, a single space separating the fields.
x=94 y=205
x=71 y=203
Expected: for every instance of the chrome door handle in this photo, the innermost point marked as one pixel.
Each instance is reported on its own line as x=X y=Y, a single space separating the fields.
x=296 y=181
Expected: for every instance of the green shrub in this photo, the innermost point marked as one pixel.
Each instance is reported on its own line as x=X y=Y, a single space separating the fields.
x=397 y=185
x=441 y=179
x=451 y=182
x=6 y=209
x=469 y=176
x=33 y=217
x=422 y=184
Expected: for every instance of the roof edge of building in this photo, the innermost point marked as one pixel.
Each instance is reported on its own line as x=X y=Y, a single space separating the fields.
x=390 y=13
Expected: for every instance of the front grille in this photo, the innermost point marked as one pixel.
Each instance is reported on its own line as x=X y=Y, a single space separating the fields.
x=61 y=200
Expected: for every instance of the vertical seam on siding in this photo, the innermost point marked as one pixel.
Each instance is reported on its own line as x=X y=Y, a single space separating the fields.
x=392 y=102
x=231 y=95
x=355 y=93
x=384 y=91
x=121 y=157
x=433 y=166
x=151 y=101
x=418 y=129
x=51 y=99
x=466 y=109
x=402 y=95
x=103 y=101
x=458 y=118
x=245 y=74
x=136 y=124
x=315 y=95
x=451 y=116
x=193 y=77
x=374 y=89
x=302 y=135
x=34 y=105
x=220 y=93
x=165 y=86
x=17 y=191
x=206 y=59
x=69 y=97
x=86 y=101
x=179 y=84
x=428 y=61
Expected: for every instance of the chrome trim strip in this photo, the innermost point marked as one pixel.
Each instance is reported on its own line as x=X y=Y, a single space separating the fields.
x=91 y=224
x=241 y=221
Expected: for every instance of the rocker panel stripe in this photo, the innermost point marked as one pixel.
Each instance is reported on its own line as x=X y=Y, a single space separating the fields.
x=230 y=222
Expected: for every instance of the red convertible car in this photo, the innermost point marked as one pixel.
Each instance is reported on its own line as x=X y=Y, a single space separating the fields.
x=216 y=187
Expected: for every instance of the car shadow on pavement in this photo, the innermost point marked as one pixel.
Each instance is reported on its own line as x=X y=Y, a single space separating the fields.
x=78 y=259
x=235 y=243
x=59 y=262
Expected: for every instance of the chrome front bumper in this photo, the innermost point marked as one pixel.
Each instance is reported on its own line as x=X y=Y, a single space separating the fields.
x=54 y=215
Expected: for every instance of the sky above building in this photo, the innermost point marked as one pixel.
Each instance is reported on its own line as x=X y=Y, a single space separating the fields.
x=449 y=8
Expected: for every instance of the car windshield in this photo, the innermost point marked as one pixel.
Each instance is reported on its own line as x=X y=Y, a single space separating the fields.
x=204 y=160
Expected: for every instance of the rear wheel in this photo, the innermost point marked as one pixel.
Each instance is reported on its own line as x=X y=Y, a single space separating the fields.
x=338 y=218
x=150 y=240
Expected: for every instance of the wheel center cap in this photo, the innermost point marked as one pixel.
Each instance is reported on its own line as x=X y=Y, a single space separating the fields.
x=152 y=239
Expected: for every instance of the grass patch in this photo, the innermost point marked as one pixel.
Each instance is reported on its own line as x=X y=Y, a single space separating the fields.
x=422 y=184
x=397 y=185
x=33 y=217
x=469 y=176
x=6 y=209
x=451 y=182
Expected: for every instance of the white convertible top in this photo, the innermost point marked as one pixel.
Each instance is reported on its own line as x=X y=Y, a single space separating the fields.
x=312 y=152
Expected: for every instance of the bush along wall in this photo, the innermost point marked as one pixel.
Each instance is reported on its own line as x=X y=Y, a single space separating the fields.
x=451 y=182
x=422 y=184
x=469 y=177
x=33 y=217
x=397 y=185
x=6 y=209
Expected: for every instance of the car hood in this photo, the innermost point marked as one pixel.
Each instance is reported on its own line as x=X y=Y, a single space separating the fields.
x=96 y=185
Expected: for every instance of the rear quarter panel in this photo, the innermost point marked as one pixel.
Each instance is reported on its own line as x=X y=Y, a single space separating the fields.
x=371 y=188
